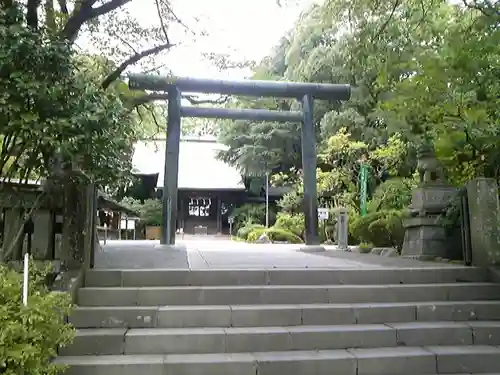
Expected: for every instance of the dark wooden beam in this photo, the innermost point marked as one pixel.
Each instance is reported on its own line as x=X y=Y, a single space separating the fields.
x=245 y=88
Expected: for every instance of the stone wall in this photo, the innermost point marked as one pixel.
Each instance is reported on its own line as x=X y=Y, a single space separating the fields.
x=62 y=228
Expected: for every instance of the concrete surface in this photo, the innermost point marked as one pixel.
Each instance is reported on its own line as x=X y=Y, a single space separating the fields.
x=118 y=341
x=216 y=307
x=288 y=294
x=216 y=252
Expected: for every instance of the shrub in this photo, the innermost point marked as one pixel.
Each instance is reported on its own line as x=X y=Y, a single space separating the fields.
x=274 y=234
x=393 y=194
x=150 y=212
x=249 y=213
x=29 y=335
x=382 y=229
x=365 y=248
x=245 y=230
x=291 y=223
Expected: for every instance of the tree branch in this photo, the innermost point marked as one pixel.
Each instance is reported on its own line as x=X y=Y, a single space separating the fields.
x=488 y=9
x=163 y=27
x=174 y=16
x=124 y=41
x=193 y=100
x=108 y=7
x=132 y=60
x=395 y=6
x=86 y=13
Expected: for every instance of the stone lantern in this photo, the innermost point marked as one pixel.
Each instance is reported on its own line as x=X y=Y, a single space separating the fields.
x=425 y=237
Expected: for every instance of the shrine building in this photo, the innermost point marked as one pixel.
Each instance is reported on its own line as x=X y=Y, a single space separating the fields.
x=208 y=188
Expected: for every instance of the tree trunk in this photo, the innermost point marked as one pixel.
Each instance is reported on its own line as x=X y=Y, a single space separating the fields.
x=72 y=254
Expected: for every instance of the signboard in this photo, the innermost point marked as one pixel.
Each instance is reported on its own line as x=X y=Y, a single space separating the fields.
x=363 y=179
x=323 y=213
x=231 y=219
x=127 y=224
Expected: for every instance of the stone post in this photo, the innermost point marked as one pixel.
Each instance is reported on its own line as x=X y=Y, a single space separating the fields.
x=42 y=236
x=342 y=229
x=484 y=211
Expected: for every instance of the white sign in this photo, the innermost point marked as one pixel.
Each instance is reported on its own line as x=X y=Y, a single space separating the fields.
x=130 y=225
x=231 y=219
x=323 y=213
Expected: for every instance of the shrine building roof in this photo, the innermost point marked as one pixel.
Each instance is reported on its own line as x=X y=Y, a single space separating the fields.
x=199 y=168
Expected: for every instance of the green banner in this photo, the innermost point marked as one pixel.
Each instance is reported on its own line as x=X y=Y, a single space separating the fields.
x=363 y=179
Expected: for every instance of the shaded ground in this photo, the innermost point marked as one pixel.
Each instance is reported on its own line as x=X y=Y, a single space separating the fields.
x=216 y=252
x=383 y=261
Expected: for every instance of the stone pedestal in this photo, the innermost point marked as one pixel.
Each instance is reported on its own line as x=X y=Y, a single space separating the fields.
x=425 y=238
x=433 y=199
x=484 y=216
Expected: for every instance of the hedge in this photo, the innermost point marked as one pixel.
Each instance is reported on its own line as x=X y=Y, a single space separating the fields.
x=274 y=234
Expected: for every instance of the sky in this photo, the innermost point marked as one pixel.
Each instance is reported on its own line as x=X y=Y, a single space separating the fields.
x=243 y=29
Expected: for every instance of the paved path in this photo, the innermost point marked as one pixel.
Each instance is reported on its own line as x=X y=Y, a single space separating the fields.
x=196 y=253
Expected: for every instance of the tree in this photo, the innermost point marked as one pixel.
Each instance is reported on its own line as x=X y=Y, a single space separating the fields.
x=455 y=93
x=425 y=69
x=108 y=23
x=48 y=112
x=58 y=123
x=363 y=43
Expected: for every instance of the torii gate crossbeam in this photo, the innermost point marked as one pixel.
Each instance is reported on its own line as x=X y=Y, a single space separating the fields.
x=305 y=92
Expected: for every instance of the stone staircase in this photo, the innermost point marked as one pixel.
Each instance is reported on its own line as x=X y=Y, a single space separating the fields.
x=382 y=321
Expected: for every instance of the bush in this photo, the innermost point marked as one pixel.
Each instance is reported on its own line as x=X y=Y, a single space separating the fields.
x=274 y=234
x=244 y=231
x=29 y=335
x=150 y=212
x=249 y=213
x=382 y=229
x=393 y=194
x=365 y=248
x=291 y=223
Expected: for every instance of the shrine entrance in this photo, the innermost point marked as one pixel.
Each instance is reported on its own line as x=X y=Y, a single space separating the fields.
x=305 y=92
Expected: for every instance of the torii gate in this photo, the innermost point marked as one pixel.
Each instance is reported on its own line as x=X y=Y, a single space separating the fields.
x=305 y=92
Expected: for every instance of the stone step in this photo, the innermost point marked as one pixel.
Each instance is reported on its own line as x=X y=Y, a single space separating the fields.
x=265 y=294
x=281 y=315
x=260 y=339
x=364 y=276
x=379 y=361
